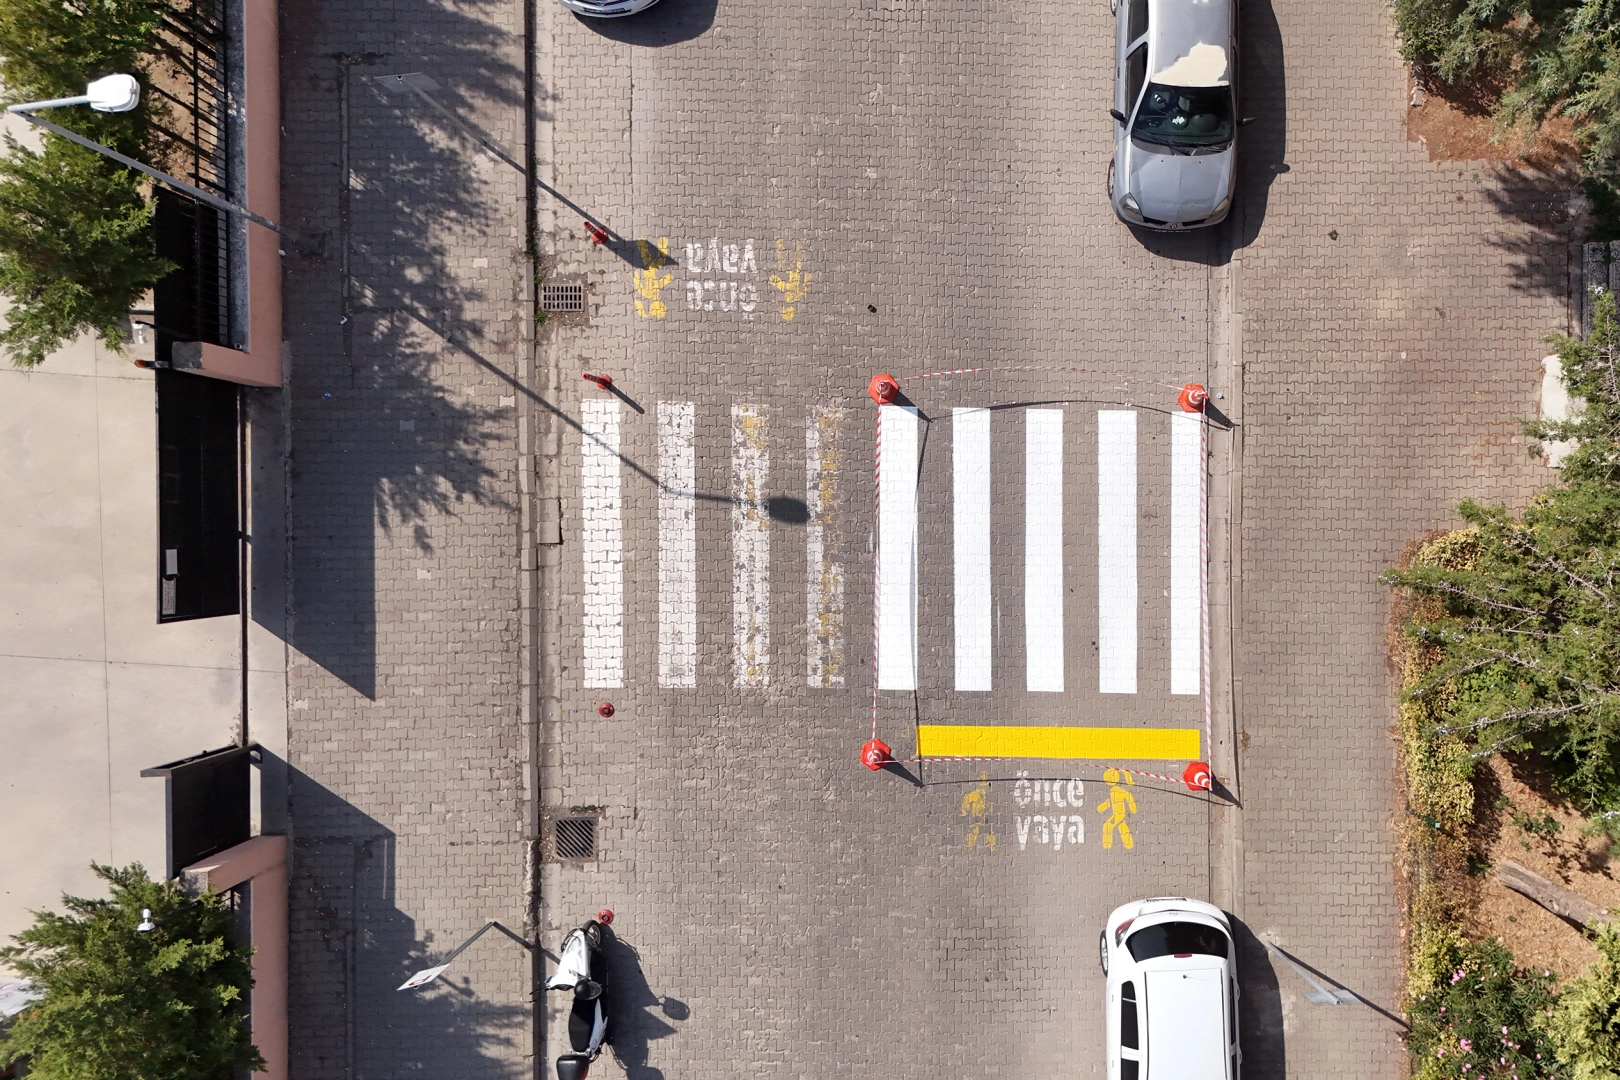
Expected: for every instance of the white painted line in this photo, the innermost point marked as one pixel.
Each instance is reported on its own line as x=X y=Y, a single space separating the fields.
x=750 y=547
x=897 y=549
x=1116 y=551
x=824 y=574
x=1186 y=582
x=602 y=539
x=970 y=507
x=1043 y=550
x=677 y=546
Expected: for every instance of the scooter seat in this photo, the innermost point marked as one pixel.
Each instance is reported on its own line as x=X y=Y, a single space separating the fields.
x=580 y=1022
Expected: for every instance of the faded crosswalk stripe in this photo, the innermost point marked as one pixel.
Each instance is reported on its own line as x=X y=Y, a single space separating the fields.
x=1186 y=552
x=750 y=547
x=1043 y=550
x=677 y=547
x=970 y=496
x=897 y=549
x=1116 y=551
x=824 y=572
x=603 y=543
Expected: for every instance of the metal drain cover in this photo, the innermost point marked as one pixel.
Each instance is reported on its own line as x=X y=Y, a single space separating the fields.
x=574 y=837
x=562 y=297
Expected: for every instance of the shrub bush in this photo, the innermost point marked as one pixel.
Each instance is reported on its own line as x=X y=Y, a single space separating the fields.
x=1484 y=1017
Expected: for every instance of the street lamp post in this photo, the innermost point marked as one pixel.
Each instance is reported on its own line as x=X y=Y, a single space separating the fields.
x=121 y=93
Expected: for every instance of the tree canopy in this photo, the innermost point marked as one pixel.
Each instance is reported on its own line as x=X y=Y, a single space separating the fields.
x=119 y=1004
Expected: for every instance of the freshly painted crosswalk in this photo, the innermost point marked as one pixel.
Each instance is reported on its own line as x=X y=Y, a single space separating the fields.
x=1061 y=518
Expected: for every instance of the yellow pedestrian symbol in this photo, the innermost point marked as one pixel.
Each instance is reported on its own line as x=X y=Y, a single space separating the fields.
x=1116 y=804
x=649 y=282
x=794 y=283
x=976 y=806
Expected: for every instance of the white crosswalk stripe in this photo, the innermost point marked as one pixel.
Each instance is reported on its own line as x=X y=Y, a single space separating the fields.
x=900 y=567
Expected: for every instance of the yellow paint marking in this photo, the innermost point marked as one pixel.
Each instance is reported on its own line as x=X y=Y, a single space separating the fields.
x=976 y=807
x=649 y=282
x=795 y=283
x=1119 y=803
x=1114 y=744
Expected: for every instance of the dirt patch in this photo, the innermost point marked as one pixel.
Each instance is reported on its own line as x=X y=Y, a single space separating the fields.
x=1454 y=124
x=1519 y=819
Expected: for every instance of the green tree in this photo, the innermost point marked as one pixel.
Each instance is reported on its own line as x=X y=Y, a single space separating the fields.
x=1527 y=627
x=120 y=1004
x=1585 y=1026
x=1550 y=57
x=76 y=247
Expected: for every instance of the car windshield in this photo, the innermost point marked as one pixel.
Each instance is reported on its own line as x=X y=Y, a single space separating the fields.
x=1185 y=117
x=1176 y=938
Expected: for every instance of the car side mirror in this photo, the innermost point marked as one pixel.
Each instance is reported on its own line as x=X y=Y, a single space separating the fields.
x=1117 y=115
x=1246 y=121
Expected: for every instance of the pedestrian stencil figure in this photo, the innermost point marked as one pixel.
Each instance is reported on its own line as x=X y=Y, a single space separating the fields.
x=1119 y=803
x=649 y=282
x=976 y=807
x=794 y=284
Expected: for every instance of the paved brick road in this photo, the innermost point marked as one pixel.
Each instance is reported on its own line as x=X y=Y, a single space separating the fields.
x=942 y=165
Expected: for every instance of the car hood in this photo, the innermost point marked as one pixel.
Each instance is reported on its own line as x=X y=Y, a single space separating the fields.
x=1178 y=187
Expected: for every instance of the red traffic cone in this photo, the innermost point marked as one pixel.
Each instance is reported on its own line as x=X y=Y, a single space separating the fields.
x=883 y=389
x=603 y=381
x=1196 y=776
x=598 y=234
x=605 y=709
x=875 y=754
x=605 y=916
x=1192 y=398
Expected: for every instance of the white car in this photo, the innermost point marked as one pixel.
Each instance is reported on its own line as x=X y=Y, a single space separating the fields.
x=1172 y=991
x=606 y=9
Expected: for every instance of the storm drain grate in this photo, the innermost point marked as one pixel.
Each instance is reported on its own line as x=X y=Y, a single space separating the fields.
x=574 y=837
x=562 y=297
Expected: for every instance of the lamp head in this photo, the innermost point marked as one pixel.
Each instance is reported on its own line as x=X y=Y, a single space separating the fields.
x=114 y=93
x=146 y=924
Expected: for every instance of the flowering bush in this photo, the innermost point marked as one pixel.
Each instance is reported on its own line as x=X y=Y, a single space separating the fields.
x=1486 y=1019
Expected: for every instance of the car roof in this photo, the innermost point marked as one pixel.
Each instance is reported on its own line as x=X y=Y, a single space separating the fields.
x=1175 y=26
x=1186 y=1023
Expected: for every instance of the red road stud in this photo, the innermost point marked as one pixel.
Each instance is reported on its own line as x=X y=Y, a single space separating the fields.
x=605 y=916
x=883 y=389
x=1196 y=776
x=875 y=754
x=603 y=381
x=598 y=234
x=605 y=709
x=1192 y=398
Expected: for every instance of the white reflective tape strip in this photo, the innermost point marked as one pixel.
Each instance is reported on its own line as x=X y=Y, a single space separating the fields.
x=970 y=500
x=1043 y=550
x=602 y=540
x=1116 y=551
x=824 y=574
x=677 y=546
x=897 y=549
x=1186 y=486
x=750 y=547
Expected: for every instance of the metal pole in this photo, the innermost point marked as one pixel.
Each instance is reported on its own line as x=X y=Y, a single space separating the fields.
x=180 y=185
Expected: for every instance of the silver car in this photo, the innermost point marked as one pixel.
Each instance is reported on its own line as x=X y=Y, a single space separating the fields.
x=1175 y=119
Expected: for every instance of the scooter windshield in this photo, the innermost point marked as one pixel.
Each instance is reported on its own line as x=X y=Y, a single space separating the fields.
x=573 y=964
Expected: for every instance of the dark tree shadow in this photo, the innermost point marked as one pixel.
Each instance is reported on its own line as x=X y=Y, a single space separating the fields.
x=1260 y=1016
x=349 y=946
x=1539 y=203
x=379 y=440
x=634 y=1011
x=665 y=23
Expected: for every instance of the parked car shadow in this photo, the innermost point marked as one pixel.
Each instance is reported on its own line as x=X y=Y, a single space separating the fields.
x=1260 y=1015
x=665 y=23
x=1263 y=145
x=632 y=1021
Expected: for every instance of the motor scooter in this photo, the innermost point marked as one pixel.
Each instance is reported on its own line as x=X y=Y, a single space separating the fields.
x=582 y=968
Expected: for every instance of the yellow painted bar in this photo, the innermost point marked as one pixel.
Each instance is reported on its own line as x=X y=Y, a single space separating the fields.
x=1114 y=744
